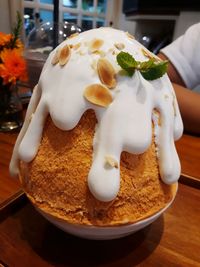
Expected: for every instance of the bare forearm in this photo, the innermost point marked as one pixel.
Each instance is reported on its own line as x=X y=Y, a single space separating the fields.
x=189 y=104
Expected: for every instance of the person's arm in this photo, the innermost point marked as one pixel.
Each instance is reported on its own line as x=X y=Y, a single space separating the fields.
x=172 y=72
x=189 y=101
x=189 y=104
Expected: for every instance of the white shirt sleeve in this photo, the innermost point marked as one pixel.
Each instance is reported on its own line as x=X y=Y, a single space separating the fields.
x=184 y=53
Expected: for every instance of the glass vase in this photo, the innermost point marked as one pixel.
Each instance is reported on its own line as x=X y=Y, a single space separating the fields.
x=11 y=110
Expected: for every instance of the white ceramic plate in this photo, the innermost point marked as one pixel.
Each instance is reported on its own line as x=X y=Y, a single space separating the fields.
x=103 y=233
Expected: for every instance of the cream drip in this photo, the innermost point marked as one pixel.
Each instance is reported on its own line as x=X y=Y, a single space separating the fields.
x=125 y=125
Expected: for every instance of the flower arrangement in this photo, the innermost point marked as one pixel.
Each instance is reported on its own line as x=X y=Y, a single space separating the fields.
x=12 y=63
x=12 y=69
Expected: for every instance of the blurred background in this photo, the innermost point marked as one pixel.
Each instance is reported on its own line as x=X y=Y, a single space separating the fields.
x=46 y=23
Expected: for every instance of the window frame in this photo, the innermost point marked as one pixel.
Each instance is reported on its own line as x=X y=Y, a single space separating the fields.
x=78 y=11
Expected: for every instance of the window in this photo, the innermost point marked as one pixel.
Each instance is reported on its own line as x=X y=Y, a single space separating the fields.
x=87 y=14
x=70 y=3
x=47 y=1
x=28 y=20
x=46 y=15
x=87 y=23
x=68 y=17
x=88 y=5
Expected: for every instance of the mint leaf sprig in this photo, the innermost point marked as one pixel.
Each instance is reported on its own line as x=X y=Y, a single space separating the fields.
x=150 y=69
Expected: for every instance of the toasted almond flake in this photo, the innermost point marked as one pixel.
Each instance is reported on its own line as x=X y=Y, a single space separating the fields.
x=100 y=52
x=130 y=35
x=98 y=94
x=111 y=161
x=64 y=55
x=80 y=213
x=97 y=52
x=31 y=117
x=111 y=50
x=148 y=54
x=55 y=59
x=119 y=46
x=174 y=105
x=73 y=35
x=81 y=53
x=94 y=65
x=106 y=73
x=76 y=46
x=95 y=45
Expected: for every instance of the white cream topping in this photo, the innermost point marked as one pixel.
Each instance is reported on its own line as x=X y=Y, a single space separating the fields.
x=125 y=125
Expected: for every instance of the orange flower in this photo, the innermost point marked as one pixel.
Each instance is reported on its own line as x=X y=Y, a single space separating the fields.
x=13 y=66
x=5 y=38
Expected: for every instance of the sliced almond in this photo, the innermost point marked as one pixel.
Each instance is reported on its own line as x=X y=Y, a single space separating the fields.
x=81 y=53
x=111 y=161
x=73 y=35
x=76 y=46
x=106 y=73
x=130 y=35
x=111 y=50
x=100 y=52
x=31 y=117
x=120 y=46
x=98 y=94
x=64 y=56
x=94 y=65
x=146 y=53
x=55 y=59
x=174 y=105
x=95 y=45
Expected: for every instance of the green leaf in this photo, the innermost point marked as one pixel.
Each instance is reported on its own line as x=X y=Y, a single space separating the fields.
x=146 y=64
x=16 y=30
x=155 y=71
x=127 y=62
x=150 y=69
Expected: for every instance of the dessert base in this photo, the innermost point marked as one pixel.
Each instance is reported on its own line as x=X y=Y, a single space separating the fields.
x=56 y=181
x=105 y=233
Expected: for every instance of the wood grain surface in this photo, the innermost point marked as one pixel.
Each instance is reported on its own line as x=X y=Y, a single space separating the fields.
x=9 y=187
x=27 y=239
x=188 y=148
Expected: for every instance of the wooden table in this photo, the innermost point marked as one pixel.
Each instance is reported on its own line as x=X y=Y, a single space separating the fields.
x=27 y=239
x=10 y=188
x=188 y=148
